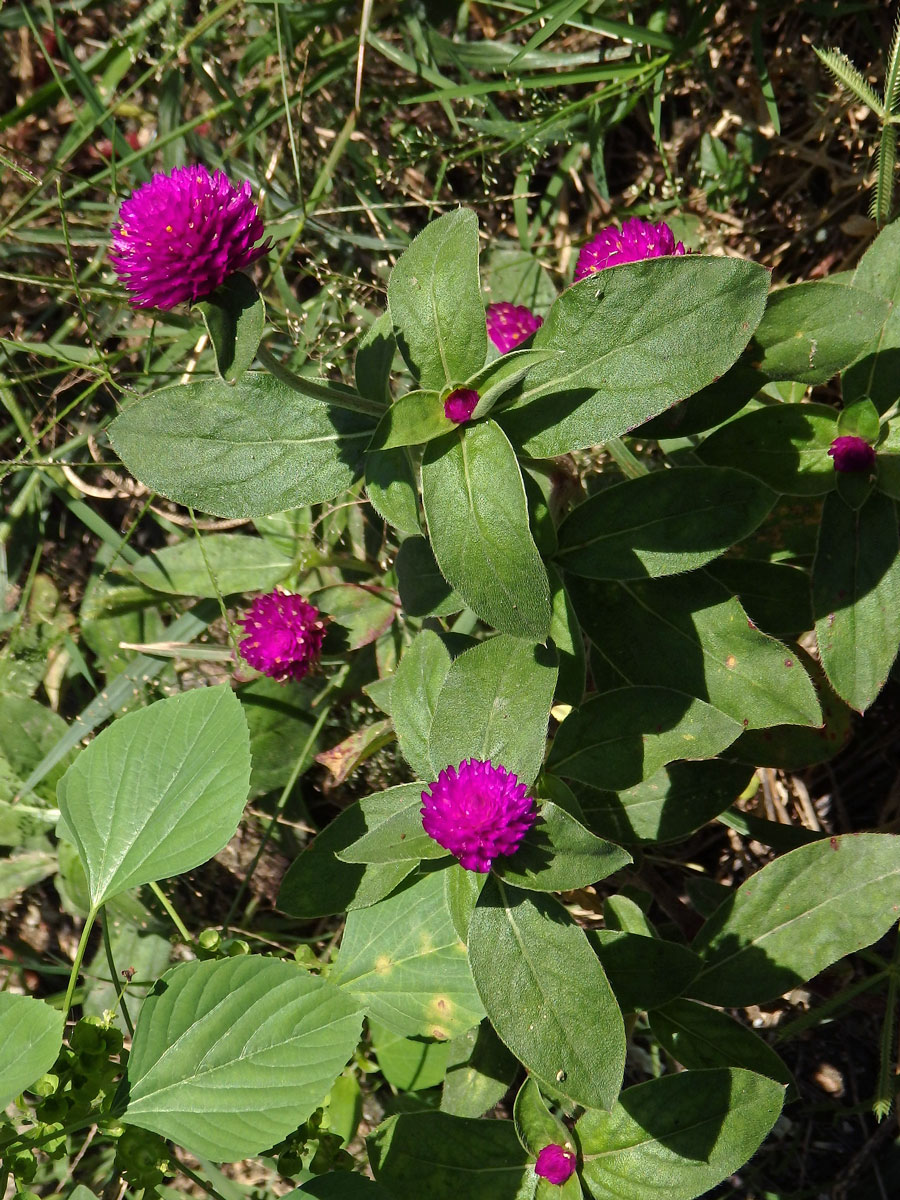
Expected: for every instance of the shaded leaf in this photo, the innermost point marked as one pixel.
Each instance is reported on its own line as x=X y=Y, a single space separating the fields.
x=784 y=445
x=217 y=564
x=30 y=1039
x=234 y=316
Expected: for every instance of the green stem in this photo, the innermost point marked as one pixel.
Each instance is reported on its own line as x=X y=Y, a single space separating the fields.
x=279 y=808
x=173 y=915
x=201 y=1183
x=884 y=1093
x=631 y=465
x=113 y=974
x=79 y=958
x=318 y=390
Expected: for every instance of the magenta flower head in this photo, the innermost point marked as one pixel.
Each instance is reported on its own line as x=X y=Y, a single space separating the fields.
x=284 y=636
x=509 y=325
x=556 y=1164
x=637 y=240
x=477 y=811
x=179 y=236
x=852 y=454
x=460 y=405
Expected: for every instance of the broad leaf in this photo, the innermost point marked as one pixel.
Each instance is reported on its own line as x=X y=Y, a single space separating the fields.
x=234 y=316
x=535 y=1127
x=688 y=633
x=231 y=1055
x=30 y=1039
x=360 y=613
x=417 y=684
x=415 y=418
x=495 y=706
x=391 y=488
x=633 y=341
x=158 y=792
x=566 y=635
x=404 y=962
x=453 y=1156
x=559 y=854
x=374 y=357
x=409 y=1064
x=812 y=330
x=712 y=405
x=397 y=838
x=677 y=1136
x=246 y=450
x=619 y=738
x=784 y=445
x=434 y=297
x=699 y=1037
x=546 y=994
x=217 y=564
x=341 y=1185
x=478 y=521
x=480 y=1072
x=798 y=915
x=775 y=596
x=424 y=592
x=856 y=596
x=874 y=374
x=644 y=972
x=662 y=523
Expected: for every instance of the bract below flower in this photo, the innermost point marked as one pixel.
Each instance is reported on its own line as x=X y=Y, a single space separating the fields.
x=179 y=236
x=509 y=325
x=555 y=1163
x=852 y=454
x=636 y=240
x=284 y=636
x=460 y=405
x=478 y=812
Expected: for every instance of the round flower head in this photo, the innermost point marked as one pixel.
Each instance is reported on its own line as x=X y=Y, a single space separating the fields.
x=555 y=1164
x=477 y=811
x=852 y=454
x=179 y=236
x=284 y=636
x=636 y=240
x=509 y=325
x=460 y=405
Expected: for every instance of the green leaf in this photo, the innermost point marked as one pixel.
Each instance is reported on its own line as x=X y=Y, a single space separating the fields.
x=669 y=805
x=677 y=1136
x=558 y=854
x=700 y=1037
x=622 y=737
x=413 y=419
x=434 y=297
x=23 y=870
x=231 y=1055
x=497 y=378
x=478 y=521
x=409 y=1064
x=158 y=792
x=391 y=488
x=535 y=1127
x=404 y=962
x=644 y=971
x=856 y=596
x=462 y=889
x=234 y=316
x=874 y=374
x=341 y=1185
x=662 y=523
x=147 y=954
x=797 y=916
x=775 y=596
x=546 y=994
x=360 y=614
x=318 y=884
x=418 y=681
x=28 y=731
x=688 y=633
x=860 y=419
x=634 y=340
x=566 y=635
x=495 y=706
x=812 y=330
x=454 y=1156
x=216 y=564
x=280 y=720
x=374 y=357
x=784 y=445
x=246 y=450
x=399 y=837
x=709 y=407
x=424 y=592
x=30 y=1039
x=480 y=1073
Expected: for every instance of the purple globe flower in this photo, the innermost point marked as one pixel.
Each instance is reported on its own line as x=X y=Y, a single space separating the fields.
x=555 y=1163
x=477 y=811
x=852 y=454
x=460 y=405
x=284 y=636
x=637 y=240
x=509 y=325
x=180 y=236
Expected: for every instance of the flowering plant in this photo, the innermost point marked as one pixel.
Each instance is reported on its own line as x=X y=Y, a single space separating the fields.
x=575 y=675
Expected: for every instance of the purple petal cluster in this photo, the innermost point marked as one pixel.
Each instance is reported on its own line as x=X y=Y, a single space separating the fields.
x=460 y=405
x=284 y=636
x=509 y=325
x=478 y=812
x=636 y=240
x=555 y=1163
x=852 y=454
x=179 y=236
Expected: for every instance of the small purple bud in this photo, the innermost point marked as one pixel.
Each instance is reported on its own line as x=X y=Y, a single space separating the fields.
x=555 y=1164
x=509 y=325
x=460 y=405
x=852 y=454
x=477 y=811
